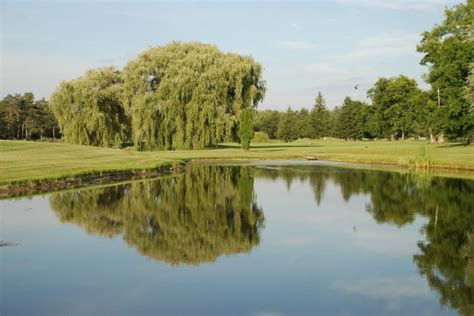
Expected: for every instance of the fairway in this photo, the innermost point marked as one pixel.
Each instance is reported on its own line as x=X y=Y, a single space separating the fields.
x=22 y=161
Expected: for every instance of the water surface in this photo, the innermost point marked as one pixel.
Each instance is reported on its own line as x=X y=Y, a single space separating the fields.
x=244 y=240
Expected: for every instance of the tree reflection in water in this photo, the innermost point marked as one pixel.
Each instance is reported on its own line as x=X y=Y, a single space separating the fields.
x=192 y=218
x=211 y=211
x=446 y=259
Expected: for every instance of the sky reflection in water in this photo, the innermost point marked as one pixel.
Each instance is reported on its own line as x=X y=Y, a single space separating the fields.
x=244 y=240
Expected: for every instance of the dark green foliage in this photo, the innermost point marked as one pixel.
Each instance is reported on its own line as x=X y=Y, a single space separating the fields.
x=90 y=109
x=448 y=52
x=287 y=128
x=470 y=88
x=319 y=118
x=395 y=104
x=21 y=117
x=267 y=121
x=351 y=119
x=304 y=124
x=246 y=128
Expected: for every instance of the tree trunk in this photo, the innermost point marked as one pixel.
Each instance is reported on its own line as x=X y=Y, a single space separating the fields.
x=403 y=135
x=441 y=138
x=54 y=133
x=432 y=138
x=392 y=137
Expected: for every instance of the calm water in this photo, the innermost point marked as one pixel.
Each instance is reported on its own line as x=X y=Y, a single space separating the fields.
x=244 y=240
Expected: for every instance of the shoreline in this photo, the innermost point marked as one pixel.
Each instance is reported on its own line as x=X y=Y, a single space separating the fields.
x=33 y=187
x=105 y=177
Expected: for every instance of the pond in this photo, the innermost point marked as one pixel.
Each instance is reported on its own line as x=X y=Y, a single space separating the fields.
x=262 y=239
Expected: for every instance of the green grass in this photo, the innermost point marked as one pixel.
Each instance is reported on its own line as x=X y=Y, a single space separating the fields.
x=22 y=161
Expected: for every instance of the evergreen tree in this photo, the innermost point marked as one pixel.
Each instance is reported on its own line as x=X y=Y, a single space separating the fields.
x=349 y=125
x=287 y=129
x=303 y=122
x=319 y=118
x=21 y=117
x=333 y=130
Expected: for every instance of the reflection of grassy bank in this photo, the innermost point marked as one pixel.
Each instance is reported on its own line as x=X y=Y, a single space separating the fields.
x=31 y=161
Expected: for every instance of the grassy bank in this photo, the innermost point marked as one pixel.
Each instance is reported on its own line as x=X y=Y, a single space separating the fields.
x=22 y=161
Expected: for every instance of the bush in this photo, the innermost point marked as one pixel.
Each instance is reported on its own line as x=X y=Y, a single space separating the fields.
x=261 y=137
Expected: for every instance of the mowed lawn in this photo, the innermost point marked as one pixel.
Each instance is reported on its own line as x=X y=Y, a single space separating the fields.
x=27 y=161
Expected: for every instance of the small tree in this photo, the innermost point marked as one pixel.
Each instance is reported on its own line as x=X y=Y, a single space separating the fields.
x=246 y=128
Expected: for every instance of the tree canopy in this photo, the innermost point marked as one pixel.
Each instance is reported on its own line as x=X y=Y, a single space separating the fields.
x=448 y=52
x=90 y=109
x=21 y=117
x=189 y=95
x=395 y=102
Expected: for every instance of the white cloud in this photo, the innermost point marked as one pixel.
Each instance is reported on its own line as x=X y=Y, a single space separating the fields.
x=418 y=5
x=296 y=44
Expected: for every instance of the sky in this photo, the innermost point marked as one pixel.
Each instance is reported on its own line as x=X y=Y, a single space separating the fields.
x=304 y=47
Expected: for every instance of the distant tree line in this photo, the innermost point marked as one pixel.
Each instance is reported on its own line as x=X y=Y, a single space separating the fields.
x=21 y=117
x=399 y=108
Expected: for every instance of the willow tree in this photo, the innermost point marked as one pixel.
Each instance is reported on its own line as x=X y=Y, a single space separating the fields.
x=191 y=218
x=189 y=95
x=90 y=109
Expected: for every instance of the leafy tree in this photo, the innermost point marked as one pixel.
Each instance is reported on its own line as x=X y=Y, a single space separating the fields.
x=90 y=109
x=287 y=129
x=246 y=128
x=267 y=121
x=189 y=95
x=319 y=117
x=448 y=52
x=470 y=88
x=395 y=103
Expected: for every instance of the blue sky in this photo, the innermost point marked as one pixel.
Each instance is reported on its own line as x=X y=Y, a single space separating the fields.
x=304 y=47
